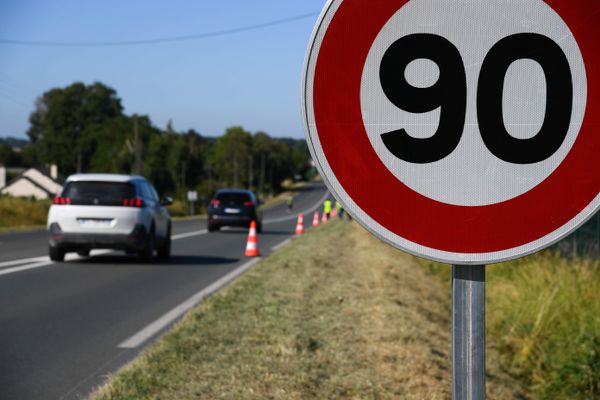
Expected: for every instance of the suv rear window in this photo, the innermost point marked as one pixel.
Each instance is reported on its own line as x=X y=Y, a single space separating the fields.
x=99 y=193
x=233 y=198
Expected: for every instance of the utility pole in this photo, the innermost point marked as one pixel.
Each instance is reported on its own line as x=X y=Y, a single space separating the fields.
x=209 y=186
x=79 y=160
x=137 y=169
x=79 y=145
x=271 y=179
x=235 y=171
x=250 y=177
x=262 y=174
x=183 y=168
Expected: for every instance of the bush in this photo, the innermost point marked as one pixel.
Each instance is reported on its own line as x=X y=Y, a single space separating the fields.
x=23 y=212
x=543 y=315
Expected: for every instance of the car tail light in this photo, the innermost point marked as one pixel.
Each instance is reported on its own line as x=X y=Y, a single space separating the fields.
x=55 y=232
x=249 y=204
x=136 y=202
x=62 y=200
x=215 y=202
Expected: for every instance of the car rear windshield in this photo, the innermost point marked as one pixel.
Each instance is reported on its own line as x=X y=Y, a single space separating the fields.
x=99 y=193
x=233 y=198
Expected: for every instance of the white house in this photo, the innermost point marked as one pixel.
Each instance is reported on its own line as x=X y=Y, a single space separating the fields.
x=41 y=183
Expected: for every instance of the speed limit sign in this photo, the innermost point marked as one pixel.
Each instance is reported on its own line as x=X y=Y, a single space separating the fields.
x=466 y=132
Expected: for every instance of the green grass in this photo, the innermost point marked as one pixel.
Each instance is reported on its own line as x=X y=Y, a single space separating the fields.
x=336 y=314
x=543 y=315
x=23 y=212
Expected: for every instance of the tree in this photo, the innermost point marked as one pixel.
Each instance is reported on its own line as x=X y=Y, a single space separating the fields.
x=229 y=158
x=8 y=157
x=62 y=116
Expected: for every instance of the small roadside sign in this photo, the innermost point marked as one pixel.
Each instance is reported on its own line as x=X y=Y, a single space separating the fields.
x=192 y=195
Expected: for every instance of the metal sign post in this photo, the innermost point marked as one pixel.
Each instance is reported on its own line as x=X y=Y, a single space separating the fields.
x=468 y=332
x=192 y=198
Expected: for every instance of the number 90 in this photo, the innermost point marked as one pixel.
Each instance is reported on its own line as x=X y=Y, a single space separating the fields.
x=449 y=94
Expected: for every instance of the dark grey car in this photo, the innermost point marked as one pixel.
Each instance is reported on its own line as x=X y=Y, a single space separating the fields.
x=234 y=207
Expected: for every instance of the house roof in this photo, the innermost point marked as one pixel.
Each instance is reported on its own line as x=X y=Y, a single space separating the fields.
x=46 y=171
x=18 y=178
x=42 y=170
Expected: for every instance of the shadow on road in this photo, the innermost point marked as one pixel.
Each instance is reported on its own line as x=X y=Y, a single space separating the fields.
x=245 y=232
x=173 y=260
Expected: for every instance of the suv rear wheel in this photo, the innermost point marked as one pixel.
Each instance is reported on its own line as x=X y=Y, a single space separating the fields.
x=147 y=252
x=164 y=251
x=56 y=254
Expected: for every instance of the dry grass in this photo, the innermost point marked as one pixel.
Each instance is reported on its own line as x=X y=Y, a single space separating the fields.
x=335 y=315
x=22 y=212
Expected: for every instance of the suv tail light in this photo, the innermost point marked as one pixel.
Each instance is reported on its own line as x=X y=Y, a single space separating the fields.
x=249 y=204
x=215 y=202
x=62 y=200
x=136 y=202
x=55 y=232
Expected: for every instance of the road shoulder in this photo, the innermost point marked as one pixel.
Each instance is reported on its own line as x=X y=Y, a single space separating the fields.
x=336 y=314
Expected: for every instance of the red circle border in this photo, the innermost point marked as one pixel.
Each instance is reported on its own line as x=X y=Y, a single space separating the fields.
x=412 y=216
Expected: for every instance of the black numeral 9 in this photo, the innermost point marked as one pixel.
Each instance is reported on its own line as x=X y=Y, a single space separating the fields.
x=450 y=94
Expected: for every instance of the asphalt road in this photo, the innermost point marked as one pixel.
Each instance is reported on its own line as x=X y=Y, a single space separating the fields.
x=65 y=326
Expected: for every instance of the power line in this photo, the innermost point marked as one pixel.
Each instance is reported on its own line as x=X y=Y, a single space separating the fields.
x=158 y=40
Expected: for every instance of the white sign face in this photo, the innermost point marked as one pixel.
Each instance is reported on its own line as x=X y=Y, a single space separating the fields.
x=461 y=131
x=192 y=195
x=456 y=179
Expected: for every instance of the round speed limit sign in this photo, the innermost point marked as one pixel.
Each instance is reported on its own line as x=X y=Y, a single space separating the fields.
x=461 y=131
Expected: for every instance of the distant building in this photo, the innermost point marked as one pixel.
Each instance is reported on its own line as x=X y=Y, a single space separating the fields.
x=41 y=183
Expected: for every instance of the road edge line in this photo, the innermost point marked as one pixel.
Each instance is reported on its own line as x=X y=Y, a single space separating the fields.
x=171 y=316
x=282 y=244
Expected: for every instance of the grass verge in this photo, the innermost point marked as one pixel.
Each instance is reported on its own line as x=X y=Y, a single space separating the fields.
x=543 y=316
x=18 y=213
x=336 y=314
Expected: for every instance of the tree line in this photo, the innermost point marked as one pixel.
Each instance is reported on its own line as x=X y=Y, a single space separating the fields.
x=82 y=128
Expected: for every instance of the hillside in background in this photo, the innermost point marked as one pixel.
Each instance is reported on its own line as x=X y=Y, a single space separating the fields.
x=13 y=142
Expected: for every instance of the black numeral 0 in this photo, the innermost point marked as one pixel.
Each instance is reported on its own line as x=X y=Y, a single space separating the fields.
x=450 y=93
x=559 y=98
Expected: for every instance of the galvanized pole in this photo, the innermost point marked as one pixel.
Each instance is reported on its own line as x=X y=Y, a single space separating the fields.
x=468 y=332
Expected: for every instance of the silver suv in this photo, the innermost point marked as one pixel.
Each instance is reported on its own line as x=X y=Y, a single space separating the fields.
x=109 y=211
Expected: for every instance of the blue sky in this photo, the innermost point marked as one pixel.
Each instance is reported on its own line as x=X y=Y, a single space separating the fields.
x=250 y=78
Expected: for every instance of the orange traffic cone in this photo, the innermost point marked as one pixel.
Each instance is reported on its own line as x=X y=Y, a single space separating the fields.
x=334 y=213
x=252 y=245
x=300 y=225
x=316 y=220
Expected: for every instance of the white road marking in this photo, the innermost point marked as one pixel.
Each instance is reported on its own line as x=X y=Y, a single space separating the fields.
x=188 y=234
x=23 y=261
x=45 y=261
x=171 y=316
x=24 y=267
